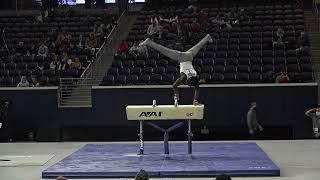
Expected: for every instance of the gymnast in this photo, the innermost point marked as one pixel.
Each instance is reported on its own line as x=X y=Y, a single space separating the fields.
x=188 y=74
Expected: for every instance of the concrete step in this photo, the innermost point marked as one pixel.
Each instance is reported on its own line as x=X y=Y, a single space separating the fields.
x=79 y=96
x=77 y=102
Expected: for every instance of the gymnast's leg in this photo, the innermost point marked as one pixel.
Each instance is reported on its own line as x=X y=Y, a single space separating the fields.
x=180 y=81
x=172 y=54
x=196 y=48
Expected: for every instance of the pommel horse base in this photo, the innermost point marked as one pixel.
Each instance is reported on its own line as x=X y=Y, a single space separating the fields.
x=154 y=112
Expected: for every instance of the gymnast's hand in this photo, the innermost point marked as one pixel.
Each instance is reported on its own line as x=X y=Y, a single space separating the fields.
x=196 y=103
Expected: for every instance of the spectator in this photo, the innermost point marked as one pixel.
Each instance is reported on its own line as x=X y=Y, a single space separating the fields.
x=186 y=31
x=154 y=29
x=55 y=64
x=203 y=17
x=66 y=42
x=99 y=32
x=123 y=47
x=172 y=19
x=34 y=82
x=234 y=16
x=195 y=26
x=227 y=17
x=141 y=175
x=53 y=49
x=278 y=39
x=61 y=178
x=176 y=27
x=282 y=78
x=91 y=44
x=252 y=121
x=77 y=64
x=60 y=39
x=45 y=13
x=65 y=62
x=80 y=42
x=91 y=41
x=23 y=82
x=21 y=49
x=243 y=16
x=43 y=50
x=303 y=41
x=108 y=28
x=278 y=42
x=314 y=114
x=217 y=21
x=73 y=50
x=32 y=50
x=280 y=33
x=39 y=18
x=223 y=177
x=192 y=7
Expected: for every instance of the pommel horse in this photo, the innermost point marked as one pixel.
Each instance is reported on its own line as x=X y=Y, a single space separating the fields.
x=155 y=112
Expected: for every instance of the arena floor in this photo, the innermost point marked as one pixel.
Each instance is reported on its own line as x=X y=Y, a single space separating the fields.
x=298 y=160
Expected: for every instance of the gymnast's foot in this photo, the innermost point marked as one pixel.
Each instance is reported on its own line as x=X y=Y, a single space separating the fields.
x=209 y=38
x=143 y=43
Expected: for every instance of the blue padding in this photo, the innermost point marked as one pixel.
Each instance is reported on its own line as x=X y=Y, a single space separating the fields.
x=208 y=159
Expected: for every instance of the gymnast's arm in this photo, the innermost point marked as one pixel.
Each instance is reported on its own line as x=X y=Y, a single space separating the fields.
x=196 y=95
x=197 y=92
x=180 y=81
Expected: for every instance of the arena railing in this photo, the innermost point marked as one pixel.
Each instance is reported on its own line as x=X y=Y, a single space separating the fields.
x=76 y=92
x=316 y=11
x=92 y=68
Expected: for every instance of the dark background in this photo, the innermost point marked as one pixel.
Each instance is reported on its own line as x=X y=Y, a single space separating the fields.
x=282 y=110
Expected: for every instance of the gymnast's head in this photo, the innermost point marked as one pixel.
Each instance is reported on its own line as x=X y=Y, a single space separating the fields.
x=142 y=175
x=195 y=81
x=223 y=177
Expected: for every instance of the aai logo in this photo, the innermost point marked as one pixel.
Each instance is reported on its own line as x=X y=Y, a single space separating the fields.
x=150 y=114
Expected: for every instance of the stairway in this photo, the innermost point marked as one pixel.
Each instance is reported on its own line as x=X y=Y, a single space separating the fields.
x=80 y=93
x=120 y=34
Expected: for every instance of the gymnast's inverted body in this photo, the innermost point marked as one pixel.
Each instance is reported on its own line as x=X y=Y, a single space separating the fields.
x=188 y=74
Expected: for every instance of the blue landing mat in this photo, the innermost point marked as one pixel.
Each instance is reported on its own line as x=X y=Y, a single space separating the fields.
x=208 y=159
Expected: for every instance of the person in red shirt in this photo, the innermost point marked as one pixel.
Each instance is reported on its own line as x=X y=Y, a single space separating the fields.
x=195 y=26
x=203 y=17
x=123 y=47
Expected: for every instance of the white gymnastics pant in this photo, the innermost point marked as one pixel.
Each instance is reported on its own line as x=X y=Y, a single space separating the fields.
x=178 y=55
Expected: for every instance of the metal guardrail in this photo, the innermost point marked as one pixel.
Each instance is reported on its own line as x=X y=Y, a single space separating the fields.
x=93 y=66
x=76 y=92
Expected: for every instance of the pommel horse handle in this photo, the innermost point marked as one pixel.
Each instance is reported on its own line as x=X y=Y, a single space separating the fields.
x=155 y=112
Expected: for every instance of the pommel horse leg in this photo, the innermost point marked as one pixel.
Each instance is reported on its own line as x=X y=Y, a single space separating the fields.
x=190 y=135
x=166 y=133
x=141 y=137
